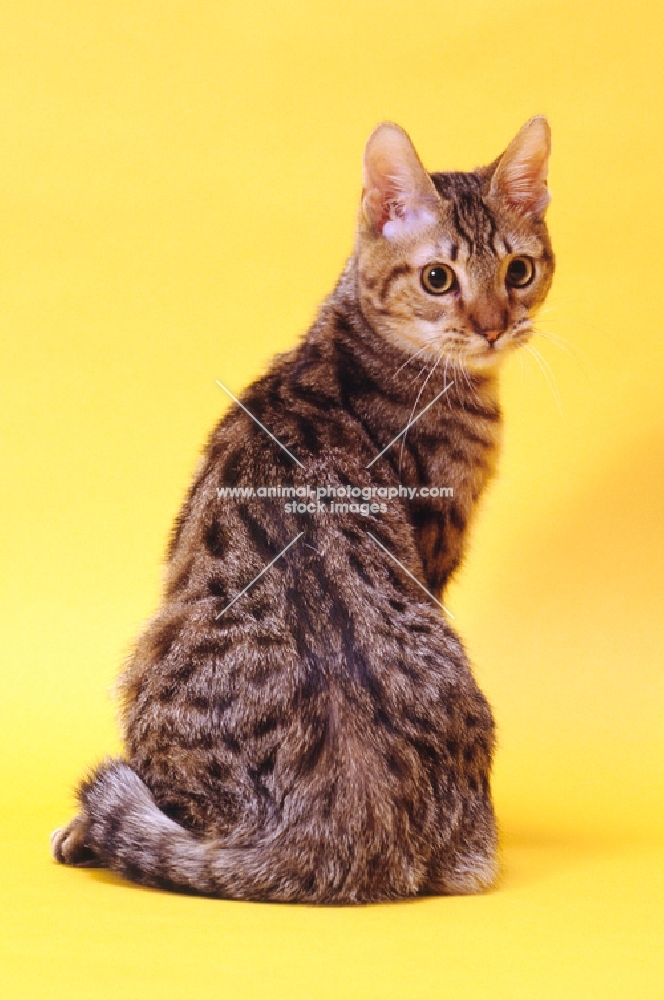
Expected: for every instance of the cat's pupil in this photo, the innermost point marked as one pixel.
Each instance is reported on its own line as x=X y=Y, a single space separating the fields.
x=437 y=277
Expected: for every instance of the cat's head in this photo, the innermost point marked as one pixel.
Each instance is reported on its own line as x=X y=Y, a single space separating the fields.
x=454 y=264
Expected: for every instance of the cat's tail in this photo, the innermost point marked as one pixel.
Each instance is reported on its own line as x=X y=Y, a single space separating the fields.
x=127 y=832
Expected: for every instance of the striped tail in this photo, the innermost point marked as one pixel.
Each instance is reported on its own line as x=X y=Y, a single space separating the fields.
x=127 y=832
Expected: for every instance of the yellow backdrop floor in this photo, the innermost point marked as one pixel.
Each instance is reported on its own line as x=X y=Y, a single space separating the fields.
x=569 y=920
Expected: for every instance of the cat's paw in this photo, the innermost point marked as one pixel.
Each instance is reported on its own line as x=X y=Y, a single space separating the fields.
x=68 y=845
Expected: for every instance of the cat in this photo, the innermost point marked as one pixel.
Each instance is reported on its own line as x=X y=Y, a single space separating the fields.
x=301 y=722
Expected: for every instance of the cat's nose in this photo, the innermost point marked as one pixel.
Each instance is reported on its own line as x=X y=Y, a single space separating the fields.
x=489 y=319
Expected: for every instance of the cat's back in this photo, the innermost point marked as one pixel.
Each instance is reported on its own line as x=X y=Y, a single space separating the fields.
x=326 y=697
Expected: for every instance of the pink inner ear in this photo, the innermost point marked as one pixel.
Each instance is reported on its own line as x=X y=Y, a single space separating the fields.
x=399 y=208
x=398 y=193
x=525 y=186
x=385 y=200
x=520 y=177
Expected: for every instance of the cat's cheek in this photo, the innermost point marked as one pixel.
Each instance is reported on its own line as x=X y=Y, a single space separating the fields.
x=417 y=337
x=429 y=333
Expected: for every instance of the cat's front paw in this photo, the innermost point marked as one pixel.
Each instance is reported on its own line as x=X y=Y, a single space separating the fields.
x=68 y=845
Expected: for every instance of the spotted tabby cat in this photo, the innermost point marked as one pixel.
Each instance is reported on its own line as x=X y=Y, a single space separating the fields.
x=320 y=738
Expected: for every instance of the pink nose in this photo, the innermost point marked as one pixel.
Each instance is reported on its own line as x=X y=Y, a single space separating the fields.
x=492 y=335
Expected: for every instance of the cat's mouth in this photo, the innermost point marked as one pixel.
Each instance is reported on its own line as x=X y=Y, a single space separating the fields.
x=489 y=348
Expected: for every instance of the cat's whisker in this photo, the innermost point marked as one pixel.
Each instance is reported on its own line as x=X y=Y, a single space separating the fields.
x=547 y=372
x=555 y=338
x=455 y=372
x=447 y=361
x=571 y=349
x=476 y=395
x=556 y=342
x=468 y=380
x=411 y=358
x=416 y=378
x=457 y=365
x=543 y=310
x=522 y=364
x=412 y=412
x=522 y=328
x=589 y=324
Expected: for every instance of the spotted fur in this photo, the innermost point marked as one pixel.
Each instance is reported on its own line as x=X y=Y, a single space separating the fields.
x=322 y=739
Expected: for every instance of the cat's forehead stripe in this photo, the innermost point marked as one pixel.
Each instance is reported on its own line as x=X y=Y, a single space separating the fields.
x=472 y=219
x=475 y=224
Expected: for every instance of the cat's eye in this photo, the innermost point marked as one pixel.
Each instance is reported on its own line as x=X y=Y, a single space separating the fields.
x=438 y=279
x=520 y=272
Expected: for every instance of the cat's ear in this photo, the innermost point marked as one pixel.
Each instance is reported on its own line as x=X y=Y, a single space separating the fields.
x=520 y=174
x=398 y=195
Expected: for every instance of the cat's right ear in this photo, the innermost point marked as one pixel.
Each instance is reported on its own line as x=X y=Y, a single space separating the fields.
x=398 y=195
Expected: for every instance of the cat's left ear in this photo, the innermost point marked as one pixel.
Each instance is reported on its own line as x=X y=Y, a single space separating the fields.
x=398 y=195
x=521 y=172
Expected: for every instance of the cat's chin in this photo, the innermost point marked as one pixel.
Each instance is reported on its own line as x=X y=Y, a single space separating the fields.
x=490 y=358
x=486 y=362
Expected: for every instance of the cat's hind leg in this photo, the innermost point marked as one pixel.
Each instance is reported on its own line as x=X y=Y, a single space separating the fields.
x=470 y=863
x=69 y=845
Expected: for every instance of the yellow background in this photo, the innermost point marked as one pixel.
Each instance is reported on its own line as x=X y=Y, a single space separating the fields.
x=178 y=186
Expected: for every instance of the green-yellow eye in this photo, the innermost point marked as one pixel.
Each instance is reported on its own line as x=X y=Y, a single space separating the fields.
x=438 y=279
x=520 y=272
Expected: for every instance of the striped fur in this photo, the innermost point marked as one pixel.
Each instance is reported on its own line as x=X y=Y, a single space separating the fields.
x=324 y=739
